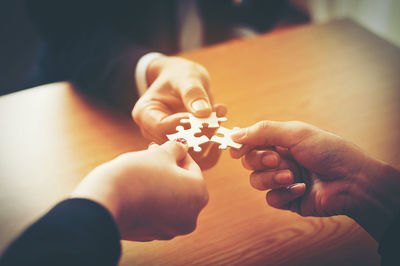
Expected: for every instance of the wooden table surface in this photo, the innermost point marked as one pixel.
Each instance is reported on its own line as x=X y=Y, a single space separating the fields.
x=337 y=76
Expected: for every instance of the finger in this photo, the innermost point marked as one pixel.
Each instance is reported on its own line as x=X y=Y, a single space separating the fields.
x=282 y=151
x=261 y=159
x=194 y=96
x=159 y=124
x=263 y=180
x=152 y=145
x=285 y=134
x=155 y=118
x=220 y=109
x=177 y=150
x=189 y=164
x=281 y=197
x=208 y=157
x=149 y=136
x=267 y=159
x=237 y=153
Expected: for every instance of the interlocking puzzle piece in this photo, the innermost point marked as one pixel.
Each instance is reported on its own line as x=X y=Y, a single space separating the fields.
x=189 y=136
x=197 y=122
x=226 y=141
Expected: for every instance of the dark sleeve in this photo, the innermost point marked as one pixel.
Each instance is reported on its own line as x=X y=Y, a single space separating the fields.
x=84 y=42
x=74 y=232
x=389 y=246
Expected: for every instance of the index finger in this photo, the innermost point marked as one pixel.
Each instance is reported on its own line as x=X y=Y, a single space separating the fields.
x=159 y=123
x=285 y=134
x=190 y=165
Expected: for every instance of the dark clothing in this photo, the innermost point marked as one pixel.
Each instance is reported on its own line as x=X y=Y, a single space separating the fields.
x=82 y=232
x=93 y=44
x=75 y=232
x=389 y=246
x=96 y=44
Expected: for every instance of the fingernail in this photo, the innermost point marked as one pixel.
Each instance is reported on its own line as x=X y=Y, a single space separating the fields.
x=283 y=178
x=297 y=188
x=181 y=140
x=270 y=161
x=239 y=134
x=199 y=105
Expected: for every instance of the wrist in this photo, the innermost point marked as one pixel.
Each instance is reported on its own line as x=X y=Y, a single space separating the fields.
x=92 y=187
x=376 y=197
x=125 y=193
x=155 y=68
x=142 y=66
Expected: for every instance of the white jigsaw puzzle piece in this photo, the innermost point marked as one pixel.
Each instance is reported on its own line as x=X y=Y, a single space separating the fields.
x=197 y=122
x=190 y=138
x=226 y=141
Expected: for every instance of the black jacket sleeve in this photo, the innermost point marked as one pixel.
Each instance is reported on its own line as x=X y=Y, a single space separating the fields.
x=89 y=44
x=389 y=246
x=74 y=232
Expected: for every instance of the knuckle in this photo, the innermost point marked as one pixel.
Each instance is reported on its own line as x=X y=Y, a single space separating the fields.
x=256 y=181
x=298 y=124
x=253 y=181
x=263 y=125
x=135 y=116
x=202 y=69
x=269 y=197
x=302 y=129
x=193 y=91
x=137 y=112
x=245 y=163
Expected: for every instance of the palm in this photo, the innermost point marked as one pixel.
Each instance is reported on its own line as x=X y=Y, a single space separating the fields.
x=323 y=198
x=327 y=171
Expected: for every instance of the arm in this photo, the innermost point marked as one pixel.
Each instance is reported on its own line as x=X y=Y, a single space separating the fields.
x=389 y=245
x=74 y=232
x=96 y=46
x=85 y=43
x=316 y=173
x=130 y=197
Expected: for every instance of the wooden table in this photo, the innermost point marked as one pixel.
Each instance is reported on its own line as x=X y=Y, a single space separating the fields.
x=337 y=76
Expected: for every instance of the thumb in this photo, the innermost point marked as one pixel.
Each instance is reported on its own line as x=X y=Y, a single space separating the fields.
x=177 y=150
x=271 y=133
x=195 y=97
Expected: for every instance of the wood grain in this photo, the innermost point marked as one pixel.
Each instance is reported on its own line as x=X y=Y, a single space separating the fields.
x=337 y=76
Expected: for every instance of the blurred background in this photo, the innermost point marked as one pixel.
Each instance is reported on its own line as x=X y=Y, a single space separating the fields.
x=194 y=24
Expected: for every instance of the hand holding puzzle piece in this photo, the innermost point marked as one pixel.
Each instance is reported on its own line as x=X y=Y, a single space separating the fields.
x=195 y=127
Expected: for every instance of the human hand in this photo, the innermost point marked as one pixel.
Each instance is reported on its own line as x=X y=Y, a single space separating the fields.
x=152 y=194
x=316 y=173
x=177 y=86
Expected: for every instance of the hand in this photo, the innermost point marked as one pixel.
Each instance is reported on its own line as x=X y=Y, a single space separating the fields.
x=316 y=173
x=177 y=86
x=152 y=194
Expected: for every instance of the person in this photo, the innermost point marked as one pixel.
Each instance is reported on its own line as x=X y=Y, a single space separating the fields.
x=316 y=173
x=104 y=52
x=98 y=46
x=309 y=171
x=107 y=53
x=129 y=198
